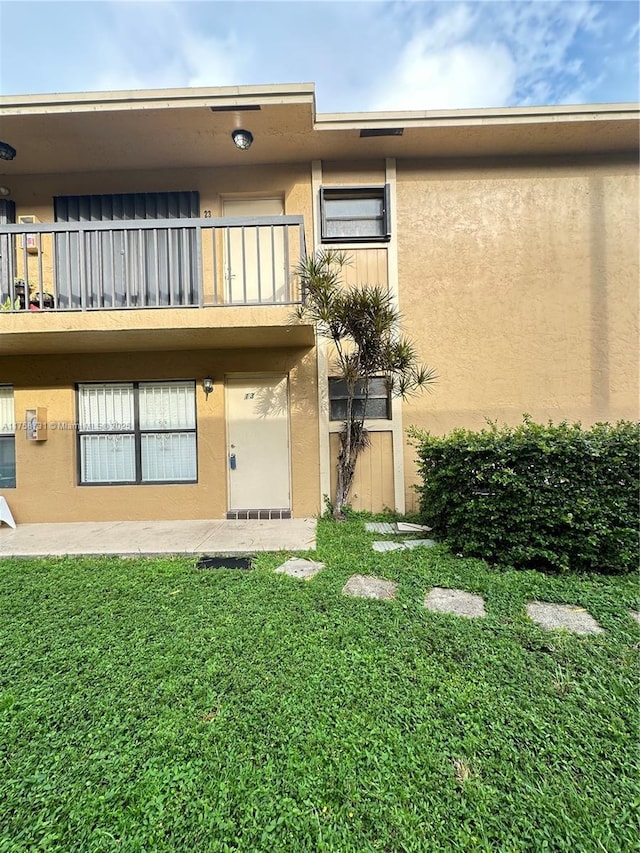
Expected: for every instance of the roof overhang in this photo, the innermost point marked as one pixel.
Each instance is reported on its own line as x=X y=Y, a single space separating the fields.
x=191 y=128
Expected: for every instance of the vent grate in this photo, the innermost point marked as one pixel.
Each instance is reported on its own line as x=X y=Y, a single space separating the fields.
x=369 y=132
x=237 y=109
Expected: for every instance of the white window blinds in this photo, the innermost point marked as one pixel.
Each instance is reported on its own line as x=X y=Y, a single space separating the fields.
x=7 y=413
x=167 y=405
x=106 y=408
x=137 y=433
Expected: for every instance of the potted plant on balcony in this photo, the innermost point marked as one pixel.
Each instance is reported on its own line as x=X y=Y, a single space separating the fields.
x=36 y=300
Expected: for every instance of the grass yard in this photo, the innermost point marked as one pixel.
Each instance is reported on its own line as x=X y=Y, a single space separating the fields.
x=147 y=706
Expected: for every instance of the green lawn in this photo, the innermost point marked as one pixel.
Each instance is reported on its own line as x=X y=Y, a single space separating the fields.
x=147 y=706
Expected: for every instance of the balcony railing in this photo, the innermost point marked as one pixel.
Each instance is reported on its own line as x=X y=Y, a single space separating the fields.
x=159 y=263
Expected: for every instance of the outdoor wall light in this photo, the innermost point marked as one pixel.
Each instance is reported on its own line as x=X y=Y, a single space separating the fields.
x=8 y=152
x=242 y=139
x=207 y=386
x=5 y=191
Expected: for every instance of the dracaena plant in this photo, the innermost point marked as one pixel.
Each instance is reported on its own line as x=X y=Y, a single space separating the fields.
x=363 y=323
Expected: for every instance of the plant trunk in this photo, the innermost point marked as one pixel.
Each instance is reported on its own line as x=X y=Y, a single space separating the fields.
x=347 y=458
x=353 y=439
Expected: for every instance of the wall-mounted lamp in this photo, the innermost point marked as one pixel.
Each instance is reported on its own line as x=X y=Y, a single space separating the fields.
x=207 y=386
x=5 y=191
x=8 y=152
x=242 y=139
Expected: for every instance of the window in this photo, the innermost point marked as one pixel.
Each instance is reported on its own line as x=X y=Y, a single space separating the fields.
x=137 y=432
x=358 y=214
x=7 y=439
x=378 y=402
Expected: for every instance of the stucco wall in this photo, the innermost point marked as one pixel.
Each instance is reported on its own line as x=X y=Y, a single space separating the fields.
x=33 y=194
x=519 y=284
x=47 y=487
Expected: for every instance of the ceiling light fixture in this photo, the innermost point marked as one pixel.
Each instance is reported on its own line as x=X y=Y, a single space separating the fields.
x=242 y=139
x=7 y=152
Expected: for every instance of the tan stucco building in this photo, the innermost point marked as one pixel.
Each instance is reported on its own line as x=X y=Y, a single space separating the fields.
x=149 y=365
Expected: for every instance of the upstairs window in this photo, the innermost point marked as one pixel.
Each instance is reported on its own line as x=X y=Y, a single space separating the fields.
x=355 y=214
x=7 y=439
x=378 y=401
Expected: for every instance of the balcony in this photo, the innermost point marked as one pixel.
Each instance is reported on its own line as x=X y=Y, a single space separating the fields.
x=179 y=277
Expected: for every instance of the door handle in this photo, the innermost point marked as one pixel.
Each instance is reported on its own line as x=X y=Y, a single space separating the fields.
x=232 y=461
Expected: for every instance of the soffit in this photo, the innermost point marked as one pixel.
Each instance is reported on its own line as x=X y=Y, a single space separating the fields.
x=177 y=129
x=129 y=340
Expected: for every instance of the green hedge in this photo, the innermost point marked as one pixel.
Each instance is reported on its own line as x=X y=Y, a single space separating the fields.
x=535 y=496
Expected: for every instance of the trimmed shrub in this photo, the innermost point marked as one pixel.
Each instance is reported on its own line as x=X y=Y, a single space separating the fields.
x=535 y=496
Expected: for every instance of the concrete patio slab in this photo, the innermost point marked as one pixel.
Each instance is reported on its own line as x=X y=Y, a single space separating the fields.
x=299 y=568
x=369 y=586
x=199 y=536
x=456 y=601
x=379 y=527
x=567 y=616
x=387 y=546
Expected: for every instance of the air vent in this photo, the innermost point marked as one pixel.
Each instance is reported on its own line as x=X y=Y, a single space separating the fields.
x=381 y=131
x=242 y=109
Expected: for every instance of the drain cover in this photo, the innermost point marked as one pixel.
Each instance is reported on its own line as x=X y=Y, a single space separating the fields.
x=224 y=563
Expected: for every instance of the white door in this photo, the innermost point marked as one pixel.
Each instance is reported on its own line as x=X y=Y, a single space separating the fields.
x=258 y=442
x=255 y=267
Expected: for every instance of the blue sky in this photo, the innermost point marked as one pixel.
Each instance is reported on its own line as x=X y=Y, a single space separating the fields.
x=361 y=55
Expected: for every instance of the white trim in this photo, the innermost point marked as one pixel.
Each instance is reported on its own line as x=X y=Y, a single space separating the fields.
x=353 y=247
x=392 y=277
x=321 y=350
x=377 y=425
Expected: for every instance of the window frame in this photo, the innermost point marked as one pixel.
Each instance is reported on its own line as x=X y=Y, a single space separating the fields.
x=10 y=439
x=379 y=192
x=137 y=432
x=332 y=380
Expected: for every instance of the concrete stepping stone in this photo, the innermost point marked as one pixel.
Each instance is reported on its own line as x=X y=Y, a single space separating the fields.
x=567 y=616
x=369 y=586
x=379 y=527
x=400 y=527
x=635 y=615
x=419 y=543
x=298 y=568
x=407 y=527
x=401 y=546
x=456 y=601
x=387 y=546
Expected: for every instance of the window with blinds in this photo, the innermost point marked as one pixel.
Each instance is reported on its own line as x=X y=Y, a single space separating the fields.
x=376 y=403
x=7 y=438
x=137 y=432
x=355 y=214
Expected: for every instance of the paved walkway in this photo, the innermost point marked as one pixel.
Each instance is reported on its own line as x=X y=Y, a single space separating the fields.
x=208 y=536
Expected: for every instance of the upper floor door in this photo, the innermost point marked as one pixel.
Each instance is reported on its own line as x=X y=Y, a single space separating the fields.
x=256 y=258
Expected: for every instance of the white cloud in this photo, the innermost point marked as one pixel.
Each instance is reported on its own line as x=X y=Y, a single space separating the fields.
x=489 y=54
x=464 y=75
x=158 y=46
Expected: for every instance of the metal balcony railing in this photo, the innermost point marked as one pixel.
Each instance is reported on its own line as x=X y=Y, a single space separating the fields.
x=160 y=263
